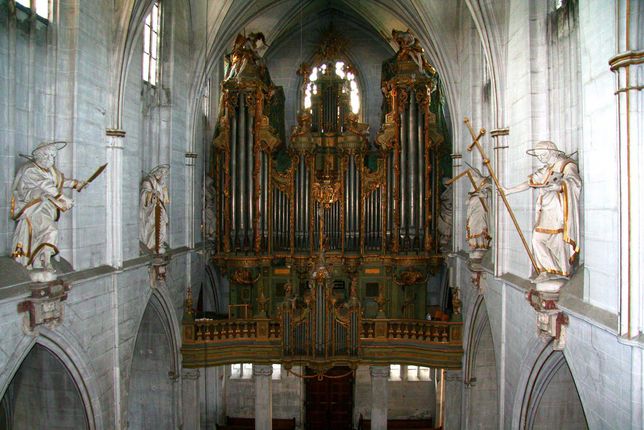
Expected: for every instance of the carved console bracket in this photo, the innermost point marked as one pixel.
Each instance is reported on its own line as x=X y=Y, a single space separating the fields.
x=45 y=305
x=158 y=269
x=477 y=275
x=551 y=321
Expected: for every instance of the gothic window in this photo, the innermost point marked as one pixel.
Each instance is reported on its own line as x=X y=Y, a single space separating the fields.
x=41 y=7
x=241 y=371
x=418 y=373
x=245 y=371
x=394 y=372
x=341 y=70
x=151 y=42
x=277 y=372
x=409 y=372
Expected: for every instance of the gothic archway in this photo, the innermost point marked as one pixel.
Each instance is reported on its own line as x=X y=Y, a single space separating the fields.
x=481 y=381
x=152 y=400
x=43 y=391
x=551 y=399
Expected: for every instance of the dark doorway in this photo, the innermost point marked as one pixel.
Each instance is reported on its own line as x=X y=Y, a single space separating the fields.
x=329 y=402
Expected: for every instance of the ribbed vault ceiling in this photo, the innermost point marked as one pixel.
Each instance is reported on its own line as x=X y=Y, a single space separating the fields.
x=434 y=22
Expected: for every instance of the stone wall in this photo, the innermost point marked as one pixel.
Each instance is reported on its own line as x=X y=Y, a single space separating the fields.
x=62 y=82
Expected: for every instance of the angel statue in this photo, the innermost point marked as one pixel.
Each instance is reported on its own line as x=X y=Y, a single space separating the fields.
x=153 y=211
x=555 y=238
x=37 y=200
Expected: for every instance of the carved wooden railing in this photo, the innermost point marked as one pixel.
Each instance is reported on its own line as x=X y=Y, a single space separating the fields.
x=206 y=330
x=208 y=342
x=415 y=330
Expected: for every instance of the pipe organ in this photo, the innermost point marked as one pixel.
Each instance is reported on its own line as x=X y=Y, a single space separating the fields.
x=329 y=190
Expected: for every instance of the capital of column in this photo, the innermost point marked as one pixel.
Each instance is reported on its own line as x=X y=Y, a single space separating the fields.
x=504 y=131
x=191 y=158
x=625 y=59
x=379 y=371
x=262 y=370
x=191 y=374
x=454 y=375
x=115 y=138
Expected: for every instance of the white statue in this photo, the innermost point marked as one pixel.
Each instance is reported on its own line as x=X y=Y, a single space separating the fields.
x=555 y=238
x=36 y=203
x=445 y=218
x=478 y=204
x=153 y=214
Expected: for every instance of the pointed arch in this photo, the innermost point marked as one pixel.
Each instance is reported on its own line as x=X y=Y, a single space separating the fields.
x=480 y=375
x=541 y=367
x=62 y=344
x=154 y=366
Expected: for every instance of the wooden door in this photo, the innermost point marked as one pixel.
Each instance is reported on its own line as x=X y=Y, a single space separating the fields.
x=329 y=402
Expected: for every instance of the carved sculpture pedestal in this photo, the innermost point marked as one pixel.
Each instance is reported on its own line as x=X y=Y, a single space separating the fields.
x=551 y=321
x=158 y=268
x=45 y=305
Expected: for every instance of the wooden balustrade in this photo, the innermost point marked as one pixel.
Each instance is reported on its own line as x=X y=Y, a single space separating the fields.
x=416 y=330
x=380 y=341
x=209 y=330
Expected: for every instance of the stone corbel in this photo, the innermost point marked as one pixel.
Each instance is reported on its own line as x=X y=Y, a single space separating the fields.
x=551 y=321
x=158 y=269
x=44 y=306
x=477 y=275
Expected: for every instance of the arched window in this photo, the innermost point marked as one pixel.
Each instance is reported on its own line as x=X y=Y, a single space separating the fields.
x=338 y=70
x=151 y=43
x=40 y=7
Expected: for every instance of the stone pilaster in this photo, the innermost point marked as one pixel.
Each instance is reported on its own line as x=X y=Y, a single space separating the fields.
x=263 y=396
x=379 y=401
x=190 y=399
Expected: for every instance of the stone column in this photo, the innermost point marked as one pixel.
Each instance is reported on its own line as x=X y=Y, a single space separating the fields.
x=263 y=396
x=628 y=66
x=379 y=403
x=190 y=399
x=451 y=402
x=191 y=159
x=114 y=173
x=502 y=222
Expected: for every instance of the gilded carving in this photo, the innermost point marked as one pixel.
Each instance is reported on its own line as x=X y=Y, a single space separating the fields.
x=410 y=277
x=244 y=277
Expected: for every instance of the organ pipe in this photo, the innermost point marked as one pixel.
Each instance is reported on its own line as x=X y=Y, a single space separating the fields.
x=264 y=209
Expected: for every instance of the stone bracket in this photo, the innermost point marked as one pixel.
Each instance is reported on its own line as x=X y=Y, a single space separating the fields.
x=158 y=268
x=45 y=305
x=551 y=321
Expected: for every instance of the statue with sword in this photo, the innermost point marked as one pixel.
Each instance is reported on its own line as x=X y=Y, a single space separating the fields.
x=37 y=200
x=556 y=232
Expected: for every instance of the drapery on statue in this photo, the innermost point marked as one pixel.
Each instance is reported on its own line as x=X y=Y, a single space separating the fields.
x=445 y=218
x=36 y=203
x=153 y=215
x=478 y=222
x=555 y=238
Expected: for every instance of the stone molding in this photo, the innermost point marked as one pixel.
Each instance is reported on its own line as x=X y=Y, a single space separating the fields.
x=504 y=131
x=115 y=132
x=190 y=374
x=624 y=59
x=262 y=370
x=379 y=371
